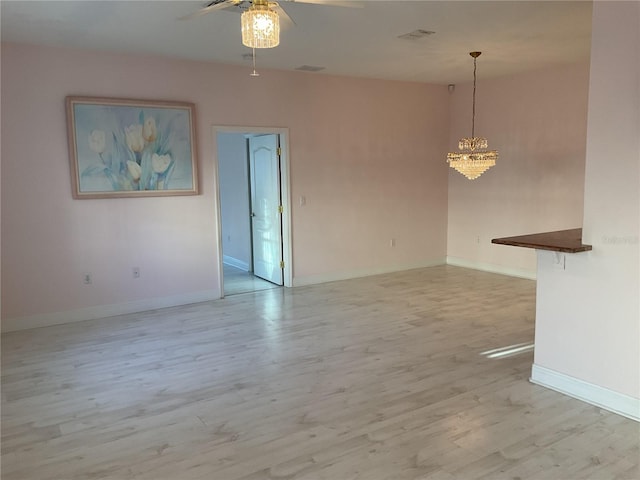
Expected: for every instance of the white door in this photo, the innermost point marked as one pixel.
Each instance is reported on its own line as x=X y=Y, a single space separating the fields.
x=266 y=218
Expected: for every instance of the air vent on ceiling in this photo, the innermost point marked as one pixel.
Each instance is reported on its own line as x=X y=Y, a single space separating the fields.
x=309 y=68
x=416 y=34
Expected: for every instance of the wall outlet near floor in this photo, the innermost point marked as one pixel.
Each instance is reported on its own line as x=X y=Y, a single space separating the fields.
x=392 y=242
x=136 y=272
x=87 y=279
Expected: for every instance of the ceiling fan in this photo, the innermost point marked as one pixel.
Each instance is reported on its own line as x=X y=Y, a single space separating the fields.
x=261 y=18
x=243 y=5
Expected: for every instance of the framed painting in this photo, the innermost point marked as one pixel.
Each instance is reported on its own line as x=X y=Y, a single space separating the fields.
x=131 y=148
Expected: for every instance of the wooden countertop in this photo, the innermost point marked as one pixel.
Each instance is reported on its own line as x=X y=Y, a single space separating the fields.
x=568 y=241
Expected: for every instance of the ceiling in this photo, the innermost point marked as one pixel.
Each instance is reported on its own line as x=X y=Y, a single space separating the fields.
x=514 y=36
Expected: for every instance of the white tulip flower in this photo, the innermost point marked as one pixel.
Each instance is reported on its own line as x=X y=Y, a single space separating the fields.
x=97 y=141
x=134 y=170
x=149 y=131
x=135 y=140
x=160 y=163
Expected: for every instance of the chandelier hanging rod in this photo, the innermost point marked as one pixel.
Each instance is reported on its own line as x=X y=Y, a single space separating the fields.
x=475 y=55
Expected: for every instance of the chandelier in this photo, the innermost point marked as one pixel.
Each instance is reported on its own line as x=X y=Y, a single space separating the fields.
x=473 y=159
x=260 y=26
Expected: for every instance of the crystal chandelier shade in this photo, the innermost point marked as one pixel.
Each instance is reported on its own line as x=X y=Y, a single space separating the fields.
x=260 y=26
x=474 y=158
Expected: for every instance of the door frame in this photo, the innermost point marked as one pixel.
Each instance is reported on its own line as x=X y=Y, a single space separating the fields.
x=284 y=185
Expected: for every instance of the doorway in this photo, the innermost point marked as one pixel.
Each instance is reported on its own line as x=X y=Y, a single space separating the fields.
x=253 y=209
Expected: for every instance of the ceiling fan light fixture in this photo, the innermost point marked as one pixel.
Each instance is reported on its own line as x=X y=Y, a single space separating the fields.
x=260 y=26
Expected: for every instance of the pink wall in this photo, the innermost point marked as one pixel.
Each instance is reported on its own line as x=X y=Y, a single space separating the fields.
x=588 y=317
x=370 y=167
x=366 y=154
x=537 y=122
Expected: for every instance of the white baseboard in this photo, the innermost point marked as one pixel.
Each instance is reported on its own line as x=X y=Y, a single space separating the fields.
x=234 y=262
x=91 y=313
x=489 y=267
x=587 y=392
x=365 y=272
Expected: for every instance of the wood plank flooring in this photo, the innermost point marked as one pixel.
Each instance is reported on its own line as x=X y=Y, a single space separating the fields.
x=374 y=378
x=239 y=281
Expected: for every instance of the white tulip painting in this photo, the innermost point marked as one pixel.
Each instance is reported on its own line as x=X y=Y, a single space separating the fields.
x=126 y=148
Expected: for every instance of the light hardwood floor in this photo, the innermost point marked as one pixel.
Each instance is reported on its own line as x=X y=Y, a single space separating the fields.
x=374 y=378
x=239 y=281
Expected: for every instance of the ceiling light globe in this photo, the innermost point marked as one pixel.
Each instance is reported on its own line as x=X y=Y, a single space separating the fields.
x=260 y=27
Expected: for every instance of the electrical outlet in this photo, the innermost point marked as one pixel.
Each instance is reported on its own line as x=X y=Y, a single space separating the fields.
x=478 y=239
x=392 y=242
x=136 y=272
x=87 y=279
x=559 y=260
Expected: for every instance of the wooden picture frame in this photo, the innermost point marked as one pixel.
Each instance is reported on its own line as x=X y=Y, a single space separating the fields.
x=131 y=148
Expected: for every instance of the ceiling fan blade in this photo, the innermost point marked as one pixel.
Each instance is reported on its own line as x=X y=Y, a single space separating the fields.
x=285 y=20
x=330 y=3
x=211 y=8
